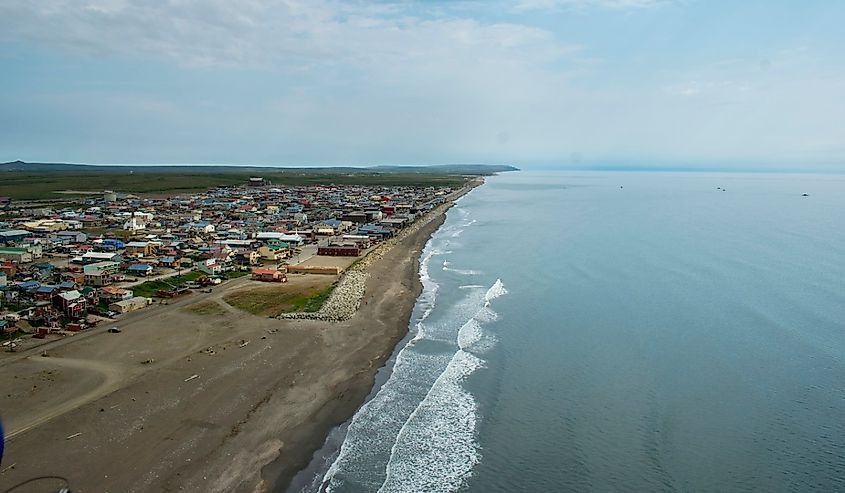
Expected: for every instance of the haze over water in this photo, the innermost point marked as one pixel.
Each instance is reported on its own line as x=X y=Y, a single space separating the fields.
x=620 y=332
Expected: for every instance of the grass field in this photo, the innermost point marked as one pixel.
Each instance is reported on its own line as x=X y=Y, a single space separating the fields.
x=271 y=301
x=45 y=185
x=151 y=288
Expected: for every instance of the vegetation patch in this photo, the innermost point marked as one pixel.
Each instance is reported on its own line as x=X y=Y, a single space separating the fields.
x=206 y=308
x=269 y=302
x=27 y=185
x=151 y=288
x=311 y=303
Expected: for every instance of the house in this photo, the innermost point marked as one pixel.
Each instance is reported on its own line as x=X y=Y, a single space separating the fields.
x=114 y=293
x=343 y=250
x=269 y=275
x=356 y=217
x=374 y=231
x=124 y=306
x=13 y=235
x=211 y=267
x=247 y=257
x=91 y=295
x=8 y=268
x=168 y=261
x=361 y=240
x=395 y=222
x=140 y=248
x=293 y=239
x=100 y=273
x=328 y=227
x=300 y=218
x=45 y=225
x=72 y=303
x=45 y=292
x=138 y=221
x=76 y=277
x=112 y=244
x=73 y=236
x=68 y=286
x=42 y=270
x=271 y=252
x=18 y=255
x=93 y=257
x=140 y=269
x=28 y=287
x=201 y=227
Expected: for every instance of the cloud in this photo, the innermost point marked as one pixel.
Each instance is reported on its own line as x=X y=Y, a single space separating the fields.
x=252 y=32
x=330 y=81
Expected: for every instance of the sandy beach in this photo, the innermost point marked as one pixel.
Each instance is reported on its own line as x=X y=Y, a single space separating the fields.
x=198 y=395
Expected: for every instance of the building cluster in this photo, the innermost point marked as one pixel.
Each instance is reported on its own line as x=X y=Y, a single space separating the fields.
x=59 y=267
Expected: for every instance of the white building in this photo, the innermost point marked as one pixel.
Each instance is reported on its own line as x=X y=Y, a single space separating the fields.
x=138 y=221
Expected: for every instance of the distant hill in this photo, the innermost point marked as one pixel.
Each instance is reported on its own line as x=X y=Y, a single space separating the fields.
x=451 y=169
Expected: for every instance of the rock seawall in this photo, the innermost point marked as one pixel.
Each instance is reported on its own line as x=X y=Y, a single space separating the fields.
x=347 y=295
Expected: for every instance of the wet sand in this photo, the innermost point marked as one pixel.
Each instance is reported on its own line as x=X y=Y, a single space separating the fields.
x=250 y=419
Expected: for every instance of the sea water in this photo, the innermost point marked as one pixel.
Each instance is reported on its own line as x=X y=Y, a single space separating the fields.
x=618 y=332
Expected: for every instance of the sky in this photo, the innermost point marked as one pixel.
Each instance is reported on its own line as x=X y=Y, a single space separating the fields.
x=535 y=83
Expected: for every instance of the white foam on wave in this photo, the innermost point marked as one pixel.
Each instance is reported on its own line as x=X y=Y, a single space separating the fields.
x=469 y=333
x=496 y=290
x=428 y=296
x=436 y=449
x=471 y=286
x=463 y=272
x=486 y=314
x=374 y=428
x=418 y=432
x=370 y=427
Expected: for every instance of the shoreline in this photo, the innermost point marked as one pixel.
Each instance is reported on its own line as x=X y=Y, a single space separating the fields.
x=367 y=382
x=209 y=413
x=322 y=449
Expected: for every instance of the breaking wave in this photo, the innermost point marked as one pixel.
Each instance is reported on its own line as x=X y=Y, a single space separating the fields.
x=418 y=432
x=436 y=449
x=464 y=272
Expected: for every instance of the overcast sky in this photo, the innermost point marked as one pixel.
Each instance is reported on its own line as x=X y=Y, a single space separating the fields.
x=729 y=83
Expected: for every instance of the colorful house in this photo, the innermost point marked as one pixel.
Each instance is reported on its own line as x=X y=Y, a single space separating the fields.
x=140 y=269
x=269 y=275
x=72 y=303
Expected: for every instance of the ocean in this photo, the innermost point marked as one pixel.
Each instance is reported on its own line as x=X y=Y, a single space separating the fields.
x=610 y=331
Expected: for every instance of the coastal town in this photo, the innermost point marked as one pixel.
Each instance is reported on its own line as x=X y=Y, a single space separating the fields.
x=202 y=326
x=66 y=269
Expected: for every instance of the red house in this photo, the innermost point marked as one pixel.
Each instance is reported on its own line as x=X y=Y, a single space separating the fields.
x=269 y=275
x=339 y=250
x=72 y=303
